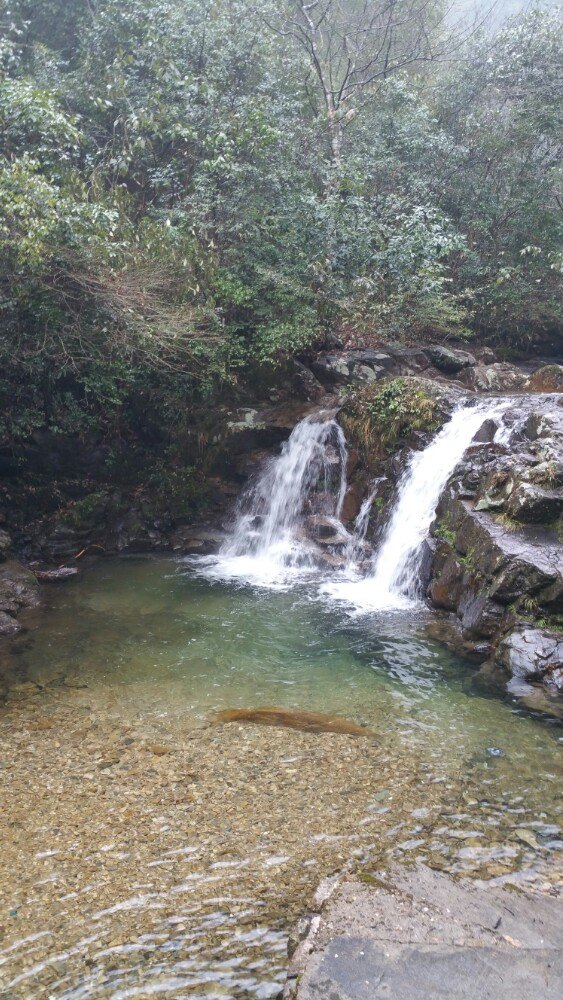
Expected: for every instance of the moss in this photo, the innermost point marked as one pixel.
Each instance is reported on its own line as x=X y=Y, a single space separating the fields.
x=90 y=510
x=380 y=416
x=446 y=534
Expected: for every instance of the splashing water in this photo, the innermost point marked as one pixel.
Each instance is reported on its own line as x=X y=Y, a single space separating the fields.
x=271 y=544
x=355 y=550
x=268 y=546
x=394 y=580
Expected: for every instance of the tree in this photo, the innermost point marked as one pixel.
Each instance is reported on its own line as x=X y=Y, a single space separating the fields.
x=352 y=46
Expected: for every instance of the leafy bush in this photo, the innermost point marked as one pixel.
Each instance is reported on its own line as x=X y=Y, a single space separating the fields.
x=381 y=415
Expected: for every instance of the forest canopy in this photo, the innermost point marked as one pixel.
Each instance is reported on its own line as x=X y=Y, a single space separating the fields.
x=190 y=185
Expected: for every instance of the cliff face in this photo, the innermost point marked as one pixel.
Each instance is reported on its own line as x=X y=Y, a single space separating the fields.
x=498 y=558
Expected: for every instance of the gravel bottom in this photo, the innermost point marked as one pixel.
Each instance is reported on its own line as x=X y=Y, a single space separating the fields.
x=144 y=857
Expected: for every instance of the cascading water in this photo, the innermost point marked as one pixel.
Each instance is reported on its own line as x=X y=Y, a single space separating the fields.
x=394 y=580
x=268 y=545
x=355 y=549
x=273 y=540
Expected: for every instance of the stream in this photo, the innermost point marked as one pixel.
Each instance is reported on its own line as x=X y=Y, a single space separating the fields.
x=150 y=850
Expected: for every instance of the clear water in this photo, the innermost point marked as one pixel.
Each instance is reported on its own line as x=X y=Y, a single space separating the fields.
x=146 y=852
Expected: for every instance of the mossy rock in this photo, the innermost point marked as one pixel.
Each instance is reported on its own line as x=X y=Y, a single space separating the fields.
x=88 y=512
x=381 y=417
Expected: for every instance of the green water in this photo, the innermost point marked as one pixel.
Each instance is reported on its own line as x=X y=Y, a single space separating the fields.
x=468 y=784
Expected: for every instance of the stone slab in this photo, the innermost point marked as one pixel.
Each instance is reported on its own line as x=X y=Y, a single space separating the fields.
x=420 y=935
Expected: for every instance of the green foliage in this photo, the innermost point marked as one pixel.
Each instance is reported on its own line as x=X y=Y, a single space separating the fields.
x=179 y=198
x=381 y=415
x=177 y=492
x=445 y=533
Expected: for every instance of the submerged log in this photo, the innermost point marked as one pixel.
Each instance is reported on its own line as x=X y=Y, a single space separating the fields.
x=55 y=575
x=292 y=718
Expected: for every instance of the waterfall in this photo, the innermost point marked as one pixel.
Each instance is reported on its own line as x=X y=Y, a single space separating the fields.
x=288 y=522
x=269 y=545
x=356 y=546
x=394 y=580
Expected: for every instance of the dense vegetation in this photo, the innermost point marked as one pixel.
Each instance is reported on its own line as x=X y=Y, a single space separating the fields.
x=188 y=185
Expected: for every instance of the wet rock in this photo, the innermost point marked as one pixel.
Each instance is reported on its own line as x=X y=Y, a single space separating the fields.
x=448 y=632
x=414 y=934
x=18 y=587
x=538 y=425
x=531 y=503
x=323 y=528
x=480 y=617
x=509 y=564
x=251 y=464
x=546 y=379
x=446 y=590
x=8 y=625
x=450 y=361
x=198 y=541
x=532 y=653
x=352 y=502
x=486 y=432
x=247 y=430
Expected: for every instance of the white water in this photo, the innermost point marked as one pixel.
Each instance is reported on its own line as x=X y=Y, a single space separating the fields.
x=268 y=546
x=271 y=543
x=394 y=580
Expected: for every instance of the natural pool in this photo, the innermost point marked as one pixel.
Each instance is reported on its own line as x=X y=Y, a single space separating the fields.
x=146 y=852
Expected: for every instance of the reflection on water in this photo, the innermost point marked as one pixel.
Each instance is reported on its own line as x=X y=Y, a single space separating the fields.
x=148 y=853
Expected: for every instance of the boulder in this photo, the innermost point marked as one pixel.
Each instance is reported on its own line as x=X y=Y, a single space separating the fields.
x=449 y=361
x=304 y=384
x=538 y=426
x=8 y=625
x=499 y=377
x=481 y=618
x=18 y=588
x=531 y=503
x=408 y=359
x=508 y=563
x=332 y=369
x=532 y=653
x=546 y=379
x=486 y=432
x=352 y=366
x=197 y=541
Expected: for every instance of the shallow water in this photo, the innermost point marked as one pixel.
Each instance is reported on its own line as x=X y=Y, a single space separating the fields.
x=146 y=852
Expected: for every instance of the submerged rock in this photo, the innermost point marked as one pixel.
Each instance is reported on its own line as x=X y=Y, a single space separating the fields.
x=293 y=718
